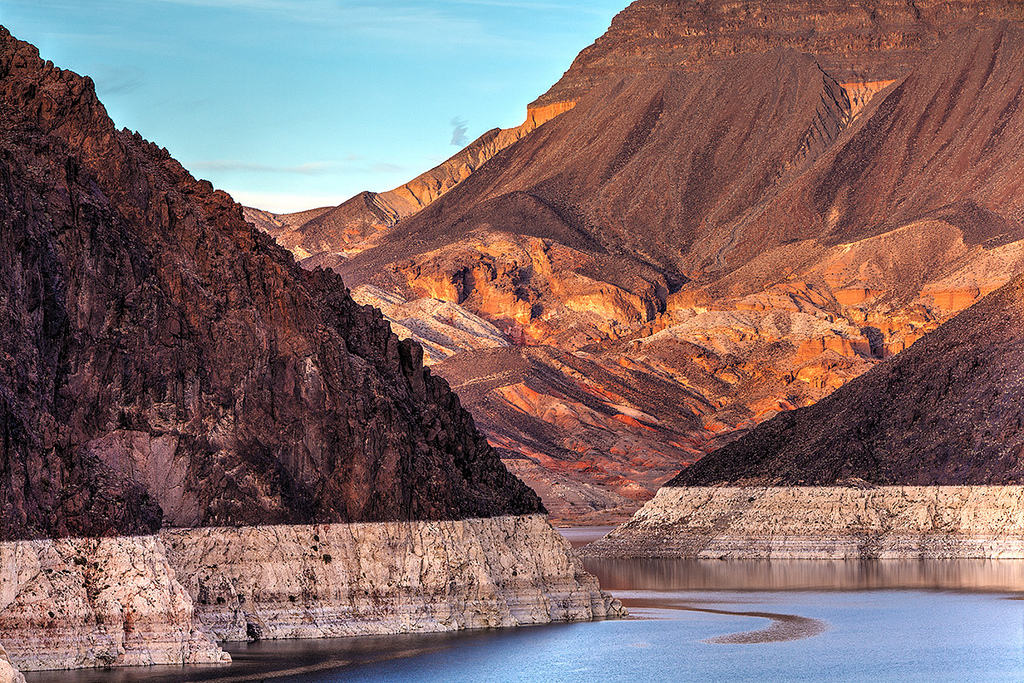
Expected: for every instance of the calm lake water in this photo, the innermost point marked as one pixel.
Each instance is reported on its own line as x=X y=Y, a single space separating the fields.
x=796 y=620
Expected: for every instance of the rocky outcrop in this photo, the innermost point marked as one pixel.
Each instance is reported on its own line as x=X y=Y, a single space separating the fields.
x=856 y=43
x=398 y=577
x=124 y=601
x=72 y=603
x=823 y=522
x=166 y=363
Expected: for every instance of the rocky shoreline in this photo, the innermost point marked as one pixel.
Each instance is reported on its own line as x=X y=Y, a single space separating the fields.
x=166 y=599
x=823 y=522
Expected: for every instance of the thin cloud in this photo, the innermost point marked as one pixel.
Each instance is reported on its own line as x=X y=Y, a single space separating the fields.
x=116 y=80
x=309 y=168
x=402 y=22
x=459 y=128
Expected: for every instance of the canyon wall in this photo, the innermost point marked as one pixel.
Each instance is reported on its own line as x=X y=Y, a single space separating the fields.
x=823 y=522
x=8 y=674
x=329 y=580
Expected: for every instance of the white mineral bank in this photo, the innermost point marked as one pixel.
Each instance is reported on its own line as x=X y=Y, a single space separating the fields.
x=823 y=522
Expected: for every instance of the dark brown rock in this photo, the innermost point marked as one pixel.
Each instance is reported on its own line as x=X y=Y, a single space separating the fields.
x=163 y=358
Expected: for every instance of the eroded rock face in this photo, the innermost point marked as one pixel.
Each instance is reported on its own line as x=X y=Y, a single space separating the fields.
x=823 y=522
x=165 y=362
x=356 y=579
x=73 y=603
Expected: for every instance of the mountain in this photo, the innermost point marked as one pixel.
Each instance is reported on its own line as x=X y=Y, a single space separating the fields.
x=202 y=441
x=918 y=458
x=328 y=235
x=746 y=206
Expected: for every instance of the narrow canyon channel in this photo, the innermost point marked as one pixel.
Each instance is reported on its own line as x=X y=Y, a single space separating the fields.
x=719 y=620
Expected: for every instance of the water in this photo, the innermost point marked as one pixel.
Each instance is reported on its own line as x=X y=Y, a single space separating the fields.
x=786 y=621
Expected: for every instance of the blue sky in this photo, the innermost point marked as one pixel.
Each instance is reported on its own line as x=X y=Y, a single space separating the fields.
x=290 y=104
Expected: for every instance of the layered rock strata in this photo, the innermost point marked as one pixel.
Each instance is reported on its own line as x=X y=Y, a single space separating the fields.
x=823 y=522
x=321 y=580
x=72 y=603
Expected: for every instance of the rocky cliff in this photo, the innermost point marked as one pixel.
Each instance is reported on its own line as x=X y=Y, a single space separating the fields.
x=857 y=42
x=168 y=362
x=167 y=365
x=397 y=577
x=124 y=601
x=83 y=602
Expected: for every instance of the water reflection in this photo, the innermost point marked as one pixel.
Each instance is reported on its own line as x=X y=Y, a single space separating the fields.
x=778 y=575
x=273 y=659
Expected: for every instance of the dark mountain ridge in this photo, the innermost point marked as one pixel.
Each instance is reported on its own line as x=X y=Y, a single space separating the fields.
x=165 y=362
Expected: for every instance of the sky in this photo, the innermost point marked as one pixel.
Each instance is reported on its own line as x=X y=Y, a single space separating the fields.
x=292 y=104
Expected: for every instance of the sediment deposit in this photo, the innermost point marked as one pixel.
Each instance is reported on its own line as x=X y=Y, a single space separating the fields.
x=823 y=522
x=328 y=580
